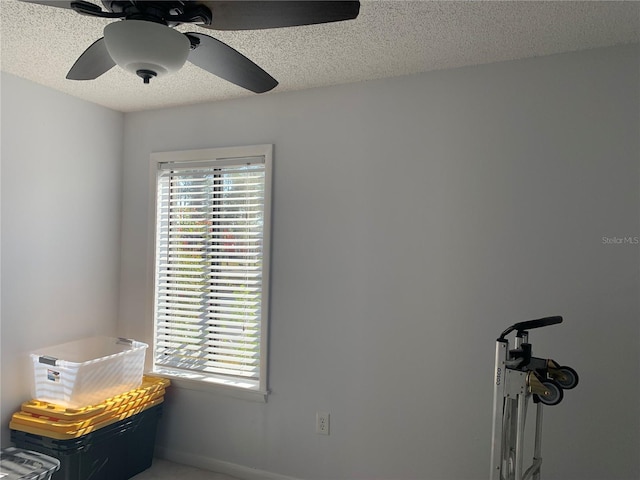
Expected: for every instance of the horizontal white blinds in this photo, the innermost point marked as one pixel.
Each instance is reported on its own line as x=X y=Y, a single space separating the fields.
x=210 y=232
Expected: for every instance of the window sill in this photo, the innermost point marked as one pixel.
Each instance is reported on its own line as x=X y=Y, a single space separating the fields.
x=243 y=389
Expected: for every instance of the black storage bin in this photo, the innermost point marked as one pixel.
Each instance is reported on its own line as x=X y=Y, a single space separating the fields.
x=116 y=452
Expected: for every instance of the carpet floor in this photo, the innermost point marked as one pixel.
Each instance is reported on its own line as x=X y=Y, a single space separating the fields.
x=165 y=470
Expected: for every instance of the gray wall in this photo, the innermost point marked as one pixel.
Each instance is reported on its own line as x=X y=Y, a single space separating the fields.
x=413 y=220
x=60 y=196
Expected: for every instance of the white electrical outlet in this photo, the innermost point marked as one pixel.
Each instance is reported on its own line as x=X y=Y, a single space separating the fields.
x=322 y=423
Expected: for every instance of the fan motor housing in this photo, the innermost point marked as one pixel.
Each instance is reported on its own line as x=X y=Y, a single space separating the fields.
x=128 y=6
x=171 y=13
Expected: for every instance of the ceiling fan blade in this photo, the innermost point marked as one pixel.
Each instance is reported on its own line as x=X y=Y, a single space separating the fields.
x=92 y=63
x=255 y=15
x=223 y=61
x=59 y=3
x=53 y=3
x=79 y=6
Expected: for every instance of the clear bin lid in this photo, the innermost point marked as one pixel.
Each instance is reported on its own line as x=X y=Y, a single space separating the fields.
x=88 y=349
x=20 y=464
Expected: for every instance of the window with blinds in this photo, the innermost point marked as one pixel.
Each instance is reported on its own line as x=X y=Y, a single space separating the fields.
x=211 y=269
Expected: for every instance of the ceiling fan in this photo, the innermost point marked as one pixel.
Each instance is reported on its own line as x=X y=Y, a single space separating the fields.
x=144 y=41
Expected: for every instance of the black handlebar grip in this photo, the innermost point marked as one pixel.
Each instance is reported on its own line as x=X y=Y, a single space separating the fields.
x=531 y=324
x=541 y=322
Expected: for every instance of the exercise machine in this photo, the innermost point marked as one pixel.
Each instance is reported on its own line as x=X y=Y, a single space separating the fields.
x=520 y=377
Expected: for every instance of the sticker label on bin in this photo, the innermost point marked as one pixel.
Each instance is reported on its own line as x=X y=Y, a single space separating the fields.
x=53 y=375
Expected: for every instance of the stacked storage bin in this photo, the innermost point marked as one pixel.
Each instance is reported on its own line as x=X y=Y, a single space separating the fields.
x=110 y=438
x=18 y=464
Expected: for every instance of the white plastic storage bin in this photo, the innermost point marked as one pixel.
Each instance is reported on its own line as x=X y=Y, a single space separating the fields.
x=88 y=371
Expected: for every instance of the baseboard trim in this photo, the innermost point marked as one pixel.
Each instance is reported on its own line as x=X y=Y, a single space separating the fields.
x=219 y=466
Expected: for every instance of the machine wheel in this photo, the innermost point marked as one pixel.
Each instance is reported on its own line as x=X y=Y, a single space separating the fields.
x=571 y=378
x=554 y=395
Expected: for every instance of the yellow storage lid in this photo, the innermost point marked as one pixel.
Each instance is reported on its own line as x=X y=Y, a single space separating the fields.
x=62 y=430
x=150 y=385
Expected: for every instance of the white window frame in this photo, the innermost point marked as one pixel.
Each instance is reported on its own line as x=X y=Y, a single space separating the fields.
x=248 y=389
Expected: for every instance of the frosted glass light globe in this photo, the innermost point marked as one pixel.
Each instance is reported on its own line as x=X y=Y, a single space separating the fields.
x=146 y=48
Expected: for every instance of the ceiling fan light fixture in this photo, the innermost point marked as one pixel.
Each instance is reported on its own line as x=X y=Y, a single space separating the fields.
x=145 y=48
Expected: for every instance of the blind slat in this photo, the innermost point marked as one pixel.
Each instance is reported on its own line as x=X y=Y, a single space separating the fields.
x=168 y=343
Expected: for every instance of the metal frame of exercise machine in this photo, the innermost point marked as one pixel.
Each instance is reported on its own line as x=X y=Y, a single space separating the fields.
x=520 y=377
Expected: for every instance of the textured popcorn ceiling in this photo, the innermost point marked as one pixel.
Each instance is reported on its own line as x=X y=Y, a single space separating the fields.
x=389 y=38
